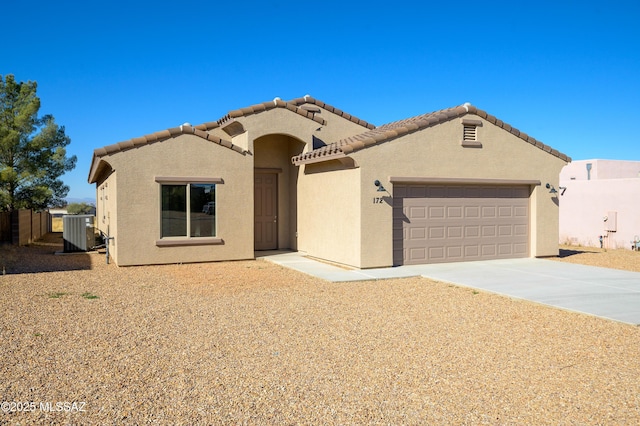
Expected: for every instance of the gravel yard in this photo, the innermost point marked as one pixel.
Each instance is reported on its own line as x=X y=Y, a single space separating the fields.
x=617 y=259
x=251 y=342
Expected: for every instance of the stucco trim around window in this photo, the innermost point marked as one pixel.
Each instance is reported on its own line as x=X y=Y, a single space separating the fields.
x=188 y=179
x=177 y=242
x=188 y=210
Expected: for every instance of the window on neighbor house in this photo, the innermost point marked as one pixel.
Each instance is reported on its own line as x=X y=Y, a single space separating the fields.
x=188 y=210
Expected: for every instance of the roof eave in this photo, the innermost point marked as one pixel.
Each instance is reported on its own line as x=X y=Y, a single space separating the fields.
x=340 y=156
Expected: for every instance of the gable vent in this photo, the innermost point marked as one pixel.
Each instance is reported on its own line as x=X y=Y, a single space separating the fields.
x=470 y=133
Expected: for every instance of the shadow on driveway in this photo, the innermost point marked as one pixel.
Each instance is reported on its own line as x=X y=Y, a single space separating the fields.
x=568 y=253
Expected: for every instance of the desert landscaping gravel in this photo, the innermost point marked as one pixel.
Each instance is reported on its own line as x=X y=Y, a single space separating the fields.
x=250 y=342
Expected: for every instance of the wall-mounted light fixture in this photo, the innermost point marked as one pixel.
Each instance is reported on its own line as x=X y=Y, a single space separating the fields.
x=551 y=189
x=379 y=185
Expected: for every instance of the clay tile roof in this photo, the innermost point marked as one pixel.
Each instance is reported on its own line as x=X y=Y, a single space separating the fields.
x=265 y=106
x=399 y=128
x=310 y=100
x=201 y=129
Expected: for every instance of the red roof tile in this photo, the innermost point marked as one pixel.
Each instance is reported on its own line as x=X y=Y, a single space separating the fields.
x=399 y=128
x=201 y=130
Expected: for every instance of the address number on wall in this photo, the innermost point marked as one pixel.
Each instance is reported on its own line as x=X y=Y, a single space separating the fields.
x=378 y=200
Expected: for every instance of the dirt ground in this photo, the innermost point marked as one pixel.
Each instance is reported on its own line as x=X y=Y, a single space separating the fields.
x=628 y=260
x=250 y=342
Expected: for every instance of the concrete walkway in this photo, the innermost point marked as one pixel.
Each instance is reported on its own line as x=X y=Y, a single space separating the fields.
x=603 y=292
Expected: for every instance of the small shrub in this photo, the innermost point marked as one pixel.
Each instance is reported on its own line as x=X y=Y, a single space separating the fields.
x=56 y=295
x=90 y=296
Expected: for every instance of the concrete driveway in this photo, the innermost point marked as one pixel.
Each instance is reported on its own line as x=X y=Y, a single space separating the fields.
x=607 y=293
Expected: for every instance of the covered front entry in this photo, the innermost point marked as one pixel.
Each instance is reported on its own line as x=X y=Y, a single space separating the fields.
x=436 y=223
x=266 y=211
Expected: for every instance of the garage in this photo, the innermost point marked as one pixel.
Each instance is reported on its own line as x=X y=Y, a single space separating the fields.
x=441 y=222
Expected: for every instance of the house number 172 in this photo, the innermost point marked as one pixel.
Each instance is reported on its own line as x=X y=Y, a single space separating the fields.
x=377 y=200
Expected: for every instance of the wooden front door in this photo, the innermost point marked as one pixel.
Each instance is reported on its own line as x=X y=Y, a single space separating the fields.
x=266 y=211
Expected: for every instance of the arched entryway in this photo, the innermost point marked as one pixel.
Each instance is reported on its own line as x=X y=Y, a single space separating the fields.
x=275 y=192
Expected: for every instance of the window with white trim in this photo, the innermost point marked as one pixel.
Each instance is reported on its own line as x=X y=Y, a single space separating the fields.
x=188 y=210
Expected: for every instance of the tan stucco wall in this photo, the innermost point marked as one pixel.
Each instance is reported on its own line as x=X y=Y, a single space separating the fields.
x=329 y=214
x=138 y=200
x=324 y=209
x=107 y=211
x=437 y=152
x=134 y=194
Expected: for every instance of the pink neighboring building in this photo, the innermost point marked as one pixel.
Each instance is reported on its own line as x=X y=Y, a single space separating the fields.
x=600 y=198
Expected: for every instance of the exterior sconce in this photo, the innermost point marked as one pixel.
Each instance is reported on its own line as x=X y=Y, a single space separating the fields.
x=379 y=185
x=551 y=189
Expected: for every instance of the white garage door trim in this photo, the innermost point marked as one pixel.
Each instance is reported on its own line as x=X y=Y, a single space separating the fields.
x=455 y=220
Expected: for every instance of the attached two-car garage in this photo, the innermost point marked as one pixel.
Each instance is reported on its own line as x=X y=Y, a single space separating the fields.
x=443 y=222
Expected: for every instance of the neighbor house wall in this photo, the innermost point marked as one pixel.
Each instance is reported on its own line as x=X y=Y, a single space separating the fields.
x=436 y=152
x=585 y=203
x=138 y=200
x=600 y=169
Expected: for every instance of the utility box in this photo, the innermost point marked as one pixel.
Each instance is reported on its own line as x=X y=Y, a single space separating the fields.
x=611 y=222
x=78 y=232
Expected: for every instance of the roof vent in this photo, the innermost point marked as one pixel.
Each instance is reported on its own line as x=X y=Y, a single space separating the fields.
x=467 y=105
x=306 y=96
x=275 y=100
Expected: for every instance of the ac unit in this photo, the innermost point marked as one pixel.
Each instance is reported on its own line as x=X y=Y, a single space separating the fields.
x=78 y=232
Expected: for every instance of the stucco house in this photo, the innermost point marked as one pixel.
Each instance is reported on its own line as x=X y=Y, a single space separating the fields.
x=451 y=185
x=600 y=198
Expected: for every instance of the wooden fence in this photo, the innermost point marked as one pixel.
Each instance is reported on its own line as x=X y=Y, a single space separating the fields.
x=22 y=227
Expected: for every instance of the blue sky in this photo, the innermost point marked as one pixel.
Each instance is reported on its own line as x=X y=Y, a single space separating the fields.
x=564 y=72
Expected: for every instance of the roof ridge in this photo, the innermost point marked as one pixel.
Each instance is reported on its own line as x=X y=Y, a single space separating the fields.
x=160 y=136
x=164 y=135
x=293 y=105
x=308 y=99
x=202 y=129
x=265 y=106
x=413 y=124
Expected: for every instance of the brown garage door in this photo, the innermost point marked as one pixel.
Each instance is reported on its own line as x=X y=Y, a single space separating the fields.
x=454 y=223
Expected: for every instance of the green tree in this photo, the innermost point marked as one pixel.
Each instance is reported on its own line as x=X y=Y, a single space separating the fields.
x=80 y=208
x=32 y=150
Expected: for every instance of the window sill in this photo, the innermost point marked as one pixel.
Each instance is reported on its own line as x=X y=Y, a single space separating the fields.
x=196 y=241
x=471 y=144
